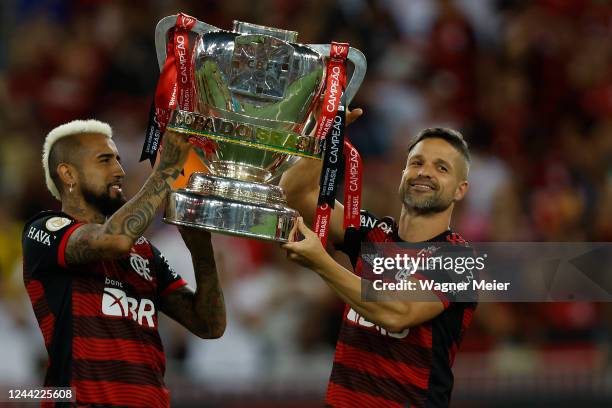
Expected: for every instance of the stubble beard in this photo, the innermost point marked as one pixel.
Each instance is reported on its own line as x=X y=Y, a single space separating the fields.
x=433 y=203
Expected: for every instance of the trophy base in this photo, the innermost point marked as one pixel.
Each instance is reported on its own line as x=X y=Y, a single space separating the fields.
x=232 y=207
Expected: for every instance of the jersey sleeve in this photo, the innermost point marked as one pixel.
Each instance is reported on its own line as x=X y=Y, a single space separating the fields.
x=44 y=242
x=351 y=245
x=167 y=279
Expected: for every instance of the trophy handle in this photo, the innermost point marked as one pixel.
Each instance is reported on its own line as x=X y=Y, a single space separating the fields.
x=359 y=63
x=166 y=24
x=355 y=56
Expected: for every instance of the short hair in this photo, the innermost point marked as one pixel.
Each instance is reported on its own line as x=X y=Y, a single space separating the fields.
x=76 y=127
x=453 y=137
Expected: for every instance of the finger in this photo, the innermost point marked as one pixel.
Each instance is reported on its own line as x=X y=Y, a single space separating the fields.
x=304 y=230
x=293 y=232
x=290 y=246
x=353 y=115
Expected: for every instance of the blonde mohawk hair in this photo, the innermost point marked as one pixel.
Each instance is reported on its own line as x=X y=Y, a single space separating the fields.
x=76 y=127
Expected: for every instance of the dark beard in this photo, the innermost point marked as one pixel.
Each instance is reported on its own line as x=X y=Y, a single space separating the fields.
x=103 y=202
x=432 y=205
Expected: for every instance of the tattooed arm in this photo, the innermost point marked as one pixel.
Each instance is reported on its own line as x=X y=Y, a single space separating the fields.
x=202 y=312
x=116 y=236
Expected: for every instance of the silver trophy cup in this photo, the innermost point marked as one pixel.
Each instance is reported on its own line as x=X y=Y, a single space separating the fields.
x=256 y=94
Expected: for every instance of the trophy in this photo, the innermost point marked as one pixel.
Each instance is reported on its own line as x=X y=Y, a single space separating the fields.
x=252 y=95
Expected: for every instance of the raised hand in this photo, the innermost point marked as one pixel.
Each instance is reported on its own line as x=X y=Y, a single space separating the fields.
x=308 y=252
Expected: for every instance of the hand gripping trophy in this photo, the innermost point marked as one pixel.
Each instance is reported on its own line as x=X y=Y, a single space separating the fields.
x=254 y=101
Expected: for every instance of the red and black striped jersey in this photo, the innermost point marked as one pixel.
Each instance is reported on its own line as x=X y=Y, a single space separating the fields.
x=377 y=368
x=98 y=320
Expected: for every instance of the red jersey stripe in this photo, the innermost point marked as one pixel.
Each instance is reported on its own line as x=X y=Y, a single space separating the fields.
x=467 y=318
x=173 y=286
x=117 y=349
x=341 y=397
x=61 y=252
x=36 y=291
x=392 y=349
x=86 y=304
x=107 y=392
x=119 y=328
x=381 y=367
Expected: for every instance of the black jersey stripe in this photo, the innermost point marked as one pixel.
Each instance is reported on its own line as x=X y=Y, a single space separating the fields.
x=387 y=388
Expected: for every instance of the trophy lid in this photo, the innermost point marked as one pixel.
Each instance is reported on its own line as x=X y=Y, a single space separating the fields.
x=248 y=28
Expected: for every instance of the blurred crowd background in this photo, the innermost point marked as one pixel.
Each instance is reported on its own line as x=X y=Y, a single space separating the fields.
x=528 y=82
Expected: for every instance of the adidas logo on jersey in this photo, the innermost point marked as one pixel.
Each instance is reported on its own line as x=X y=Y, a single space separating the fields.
x=354 y=317
x=115 y=302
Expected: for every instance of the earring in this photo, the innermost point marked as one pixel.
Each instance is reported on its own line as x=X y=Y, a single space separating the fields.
x=70 y=189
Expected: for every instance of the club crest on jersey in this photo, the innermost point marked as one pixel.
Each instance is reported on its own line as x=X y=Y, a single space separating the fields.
x=40 y=236
x=56 y=223
x=141 y=266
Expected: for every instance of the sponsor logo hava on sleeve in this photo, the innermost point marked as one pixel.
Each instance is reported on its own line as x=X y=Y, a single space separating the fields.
x=40 y=236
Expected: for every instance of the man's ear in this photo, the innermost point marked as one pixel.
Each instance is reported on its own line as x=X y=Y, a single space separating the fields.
x=67 y=173
x=461 y=190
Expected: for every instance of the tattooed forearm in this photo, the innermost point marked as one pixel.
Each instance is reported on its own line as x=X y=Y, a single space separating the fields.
x=117 y=235
x=209 y=300
x=203 y=312
x=79 y=249
x=134 y=217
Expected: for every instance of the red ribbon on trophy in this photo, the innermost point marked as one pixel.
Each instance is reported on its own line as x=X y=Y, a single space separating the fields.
x=175 y=88
x=330 y=129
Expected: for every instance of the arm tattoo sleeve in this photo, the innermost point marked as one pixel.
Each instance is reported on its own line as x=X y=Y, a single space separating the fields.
x=202 y=312
x=99 y=241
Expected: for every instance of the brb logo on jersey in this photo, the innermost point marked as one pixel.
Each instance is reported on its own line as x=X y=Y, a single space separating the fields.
x=115 y=302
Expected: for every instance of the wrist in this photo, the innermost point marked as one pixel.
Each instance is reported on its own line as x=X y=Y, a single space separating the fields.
x=168 y=175
x=325 y=264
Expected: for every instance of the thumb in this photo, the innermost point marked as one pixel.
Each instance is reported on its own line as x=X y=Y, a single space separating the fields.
x=353 y=115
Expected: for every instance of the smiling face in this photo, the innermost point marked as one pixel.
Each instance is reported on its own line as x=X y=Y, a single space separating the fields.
x=434 y=177
x=100 y=173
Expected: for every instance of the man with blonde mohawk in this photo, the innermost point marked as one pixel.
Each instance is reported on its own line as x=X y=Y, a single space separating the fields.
x=96 y=284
